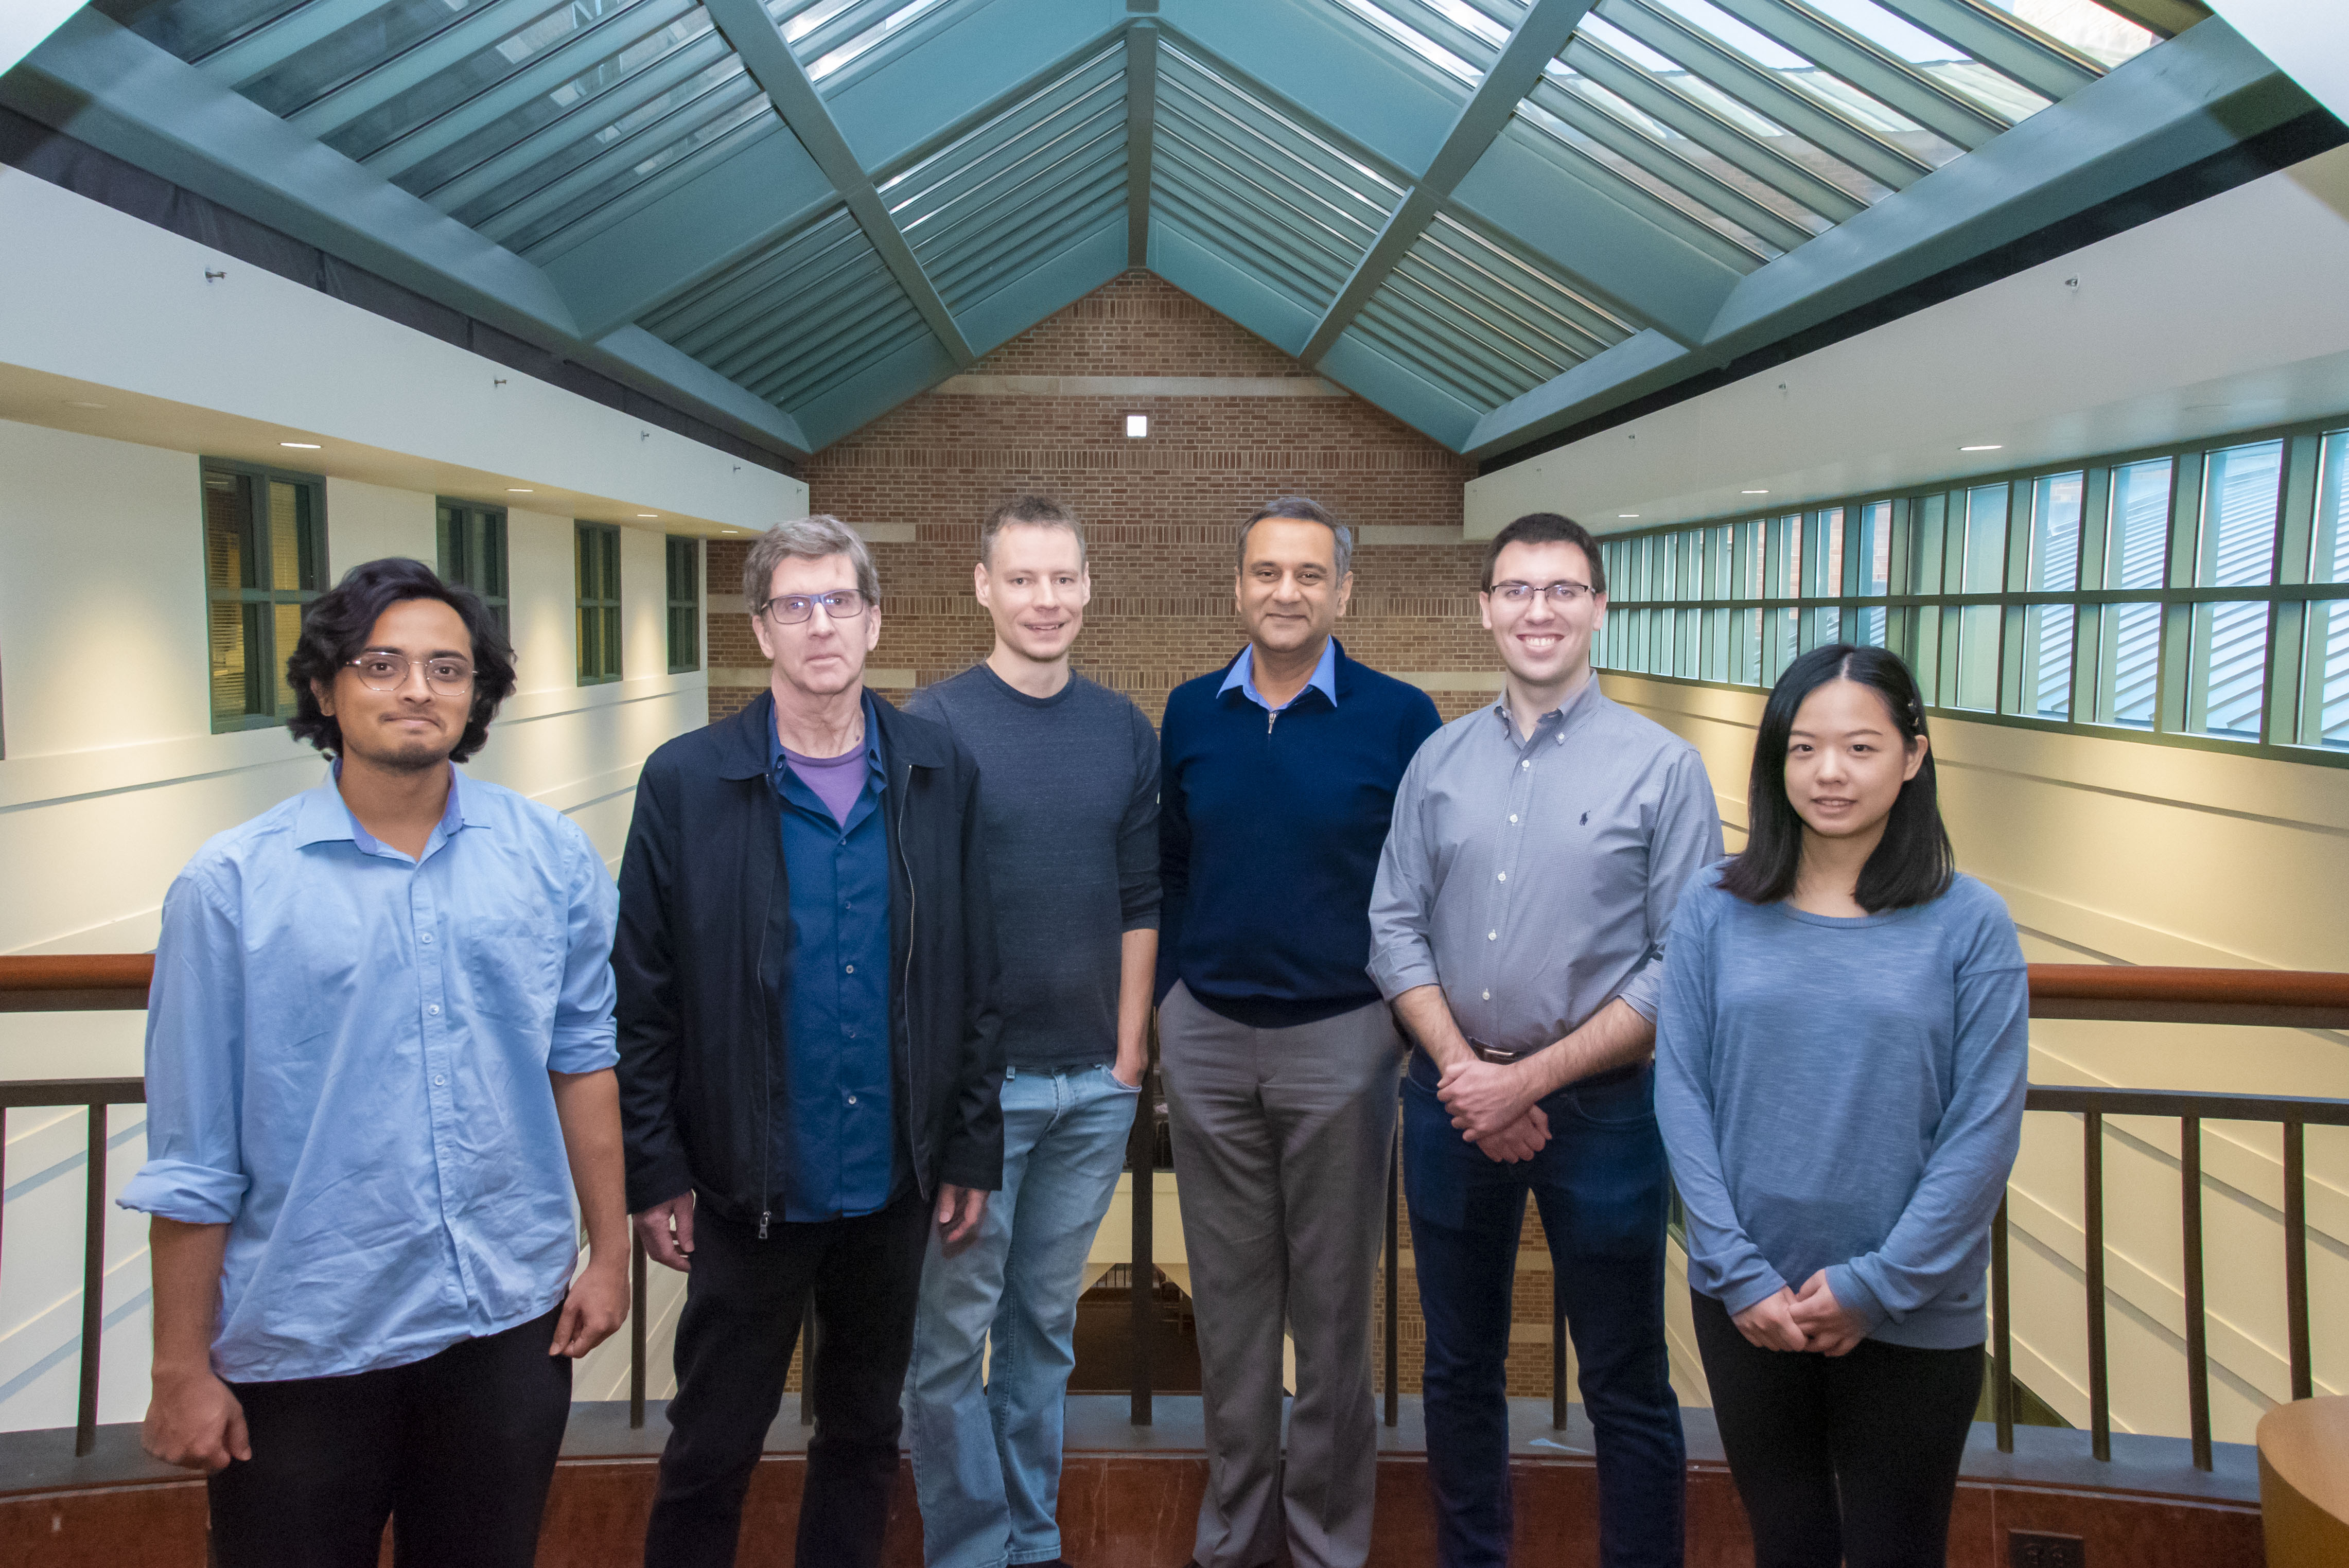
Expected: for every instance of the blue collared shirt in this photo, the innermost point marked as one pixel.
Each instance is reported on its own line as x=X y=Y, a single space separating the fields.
x=346 y=1061
x=836 y=1140
x=1324 y=678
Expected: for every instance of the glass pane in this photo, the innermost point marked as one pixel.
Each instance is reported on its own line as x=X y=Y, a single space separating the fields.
x=233 y=696
x=493 y=528
x=344 y=56
x=1872 y=560
x=289 y=633
x=1985 y=542
x=2084 y=25
x=2132 y=663
x=1784 y=577
x=2329 y=560
x=2047 y=660
x=286 y=518
x=1977 y=670
x=229 y=555
x=454 y=542
x=2239 y=517
x=2137 y=553
x=1781 y=637
x=1869 y=630
x=1829 y=583
x=2328 y=630
x=2230 y=653
x=2055 y=534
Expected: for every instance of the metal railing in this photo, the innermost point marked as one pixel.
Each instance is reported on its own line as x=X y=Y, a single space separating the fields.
x=2119 y=993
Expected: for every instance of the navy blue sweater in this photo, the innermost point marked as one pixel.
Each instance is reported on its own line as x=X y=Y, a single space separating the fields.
x=1268 y=839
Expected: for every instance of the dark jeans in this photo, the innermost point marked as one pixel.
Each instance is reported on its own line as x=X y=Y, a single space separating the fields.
x=1841 y=1459
x=1599 y=1185
x=456 y=1450
x=734 y=1340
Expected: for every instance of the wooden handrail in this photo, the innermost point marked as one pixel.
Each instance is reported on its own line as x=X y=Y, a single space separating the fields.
x=2137 y=993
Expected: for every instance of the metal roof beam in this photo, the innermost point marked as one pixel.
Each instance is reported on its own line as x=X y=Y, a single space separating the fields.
x=1140 y=135
x=1547 y=26
x=265 y=48
x=780 y=75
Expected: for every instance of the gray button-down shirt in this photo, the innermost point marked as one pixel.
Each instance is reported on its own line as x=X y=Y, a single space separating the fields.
x=1535 y=880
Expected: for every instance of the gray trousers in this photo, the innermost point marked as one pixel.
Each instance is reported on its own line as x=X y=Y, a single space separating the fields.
x=1282 y=1141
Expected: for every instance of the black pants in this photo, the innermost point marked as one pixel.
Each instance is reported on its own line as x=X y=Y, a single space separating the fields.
x=1848 y=1459
x=742 y=1304
x=456 y=1450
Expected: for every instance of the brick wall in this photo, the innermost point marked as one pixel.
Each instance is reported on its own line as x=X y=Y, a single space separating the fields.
x=1161 y=514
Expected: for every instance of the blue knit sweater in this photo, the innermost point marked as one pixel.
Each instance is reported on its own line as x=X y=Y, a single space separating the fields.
x=1270 y=828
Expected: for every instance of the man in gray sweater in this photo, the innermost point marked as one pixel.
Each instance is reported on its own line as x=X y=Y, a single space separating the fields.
x=1069 y=799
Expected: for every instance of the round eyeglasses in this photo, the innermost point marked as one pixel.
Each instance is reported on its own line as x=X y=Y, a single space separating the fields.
x=791 y=609
x=1561 y=594
x=389 y=672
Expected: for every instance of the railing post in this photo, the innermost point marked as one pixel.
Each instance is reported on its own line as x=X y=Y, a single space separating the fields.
x=2002 y=1366
x=93 y=1283
x=1141 y=1161
x=635 y=1330
x=2198 y=1346
x=2295 y=1256
x=1394 y=1303
x=2100 y=1392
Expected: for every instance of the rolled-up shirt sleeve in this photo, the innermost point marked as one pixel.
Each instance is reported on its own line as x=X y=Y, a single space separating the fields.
x=1686 y=840
x=1402 y=899
x=585 y=1037
x=195 y=1059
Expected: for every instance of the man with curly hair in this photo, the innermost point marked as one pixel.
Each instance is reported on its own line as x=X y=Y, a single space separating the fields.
x=380 y=1028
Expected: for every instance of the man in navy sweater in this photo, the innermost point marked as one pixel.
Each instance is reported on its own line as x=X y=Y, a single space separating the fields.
x=1277 y=780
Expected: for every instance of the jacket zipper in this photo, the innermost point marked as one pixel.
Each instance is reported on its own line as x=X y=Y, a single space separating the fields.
x=913 y=907
x=767 y=1071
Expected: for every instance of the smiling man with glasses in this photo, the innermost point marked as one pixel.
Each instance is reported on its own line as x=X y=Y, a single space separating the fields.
x=1538 y=849
x=380 y=1027
x=808 y=1052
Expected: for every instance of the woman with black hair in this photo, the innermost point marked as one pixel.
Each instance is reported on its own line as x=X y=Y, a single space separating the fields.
x=1840 y=1058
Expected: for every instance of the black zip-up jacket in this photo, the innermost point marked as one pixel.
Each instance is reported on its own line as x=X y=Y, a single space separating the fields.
x=703 y=962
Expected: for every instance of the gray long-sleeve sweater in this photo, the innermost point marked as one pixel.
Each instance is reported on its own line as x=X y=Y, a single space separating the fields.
x=1846 y=1095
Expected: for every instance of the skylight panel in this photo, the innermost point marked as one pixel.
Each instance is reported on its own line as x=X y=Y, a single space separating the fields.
x=828 y=34
x=2085 y=26
x=1468 y=28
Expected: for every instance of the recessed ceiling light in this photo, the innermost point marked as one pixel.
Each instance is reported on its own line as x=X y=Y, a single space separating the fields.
x=306 y=446
x=1627 y=514
x=648 y=514
x=730 y=530
x=1754 y=492
x=1993 y=447
x=78 y=403
x=517 y=490
x=1137 y=424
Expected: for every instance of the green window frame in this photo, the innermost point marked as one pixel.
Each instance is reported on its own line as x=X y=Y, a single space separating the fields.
x=599 y=602
x=684 y=605
x=2195 y=594
x=474 y=553
x=265 y=558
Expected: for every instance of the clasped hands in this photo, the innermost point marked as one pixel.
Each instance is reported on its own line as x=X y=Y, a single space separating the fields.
x=1491 y=1105
x=1810 y=1320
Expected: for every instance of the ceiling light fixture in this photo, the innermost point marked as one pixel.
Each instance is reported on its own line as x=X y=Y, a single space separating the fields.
x=1993 y=447
x=306 y=446
x=517 y=490
x=1754 y=492
x=648 y=514
x=78 y=403
x=1137 y=426
x=730 y=530
x=1627 y=514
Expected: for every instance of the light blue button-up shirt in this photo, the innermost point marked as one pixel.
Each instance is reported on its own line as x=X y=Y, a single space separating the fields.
x=346 y=1061
x=1324 y=678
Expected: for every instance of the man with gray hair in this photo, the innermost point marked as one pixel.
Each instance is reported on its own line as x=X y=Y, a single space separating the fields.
x=1277 y=779
x=808 y=1072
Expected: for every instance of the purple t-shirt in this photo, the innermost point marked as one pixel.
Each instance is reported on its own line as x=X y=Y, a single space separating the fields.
x=836 y=780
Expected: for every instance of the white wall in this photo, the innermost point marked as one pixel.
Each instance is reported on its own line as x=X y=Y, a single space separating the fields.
x=2124 y=853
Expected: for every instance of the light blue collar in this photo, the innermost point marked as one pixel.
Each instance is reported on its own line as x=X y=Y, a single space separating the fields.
x=1324 y=678
x=323 y=817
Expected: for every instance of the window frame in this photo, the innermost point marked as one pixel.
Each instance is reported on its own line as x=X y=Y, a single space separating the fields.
x=1929 y=598
x=260 y=477
x=684 y=549
x=607 y=637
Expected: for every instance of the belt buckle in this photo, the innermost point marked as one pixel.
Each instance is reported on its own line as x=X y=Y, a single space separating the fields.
x=1493 y=1054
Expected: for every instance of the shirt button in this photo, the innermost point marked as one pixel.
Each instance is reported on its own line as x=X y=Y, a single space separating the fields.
x=1505 y=876
x=427 y=936
x=851 y=1100
x=434 y=1009
x=1525 y=764
x=1488 y=995
x=437 y=1078
x=1512 y=816
x=1492 y=936
x=852 y=969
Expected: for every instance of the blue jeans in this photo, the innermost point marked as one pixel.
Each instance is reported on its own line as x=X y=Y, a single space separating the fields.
x=987 y=1453
x=1600 y=1183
